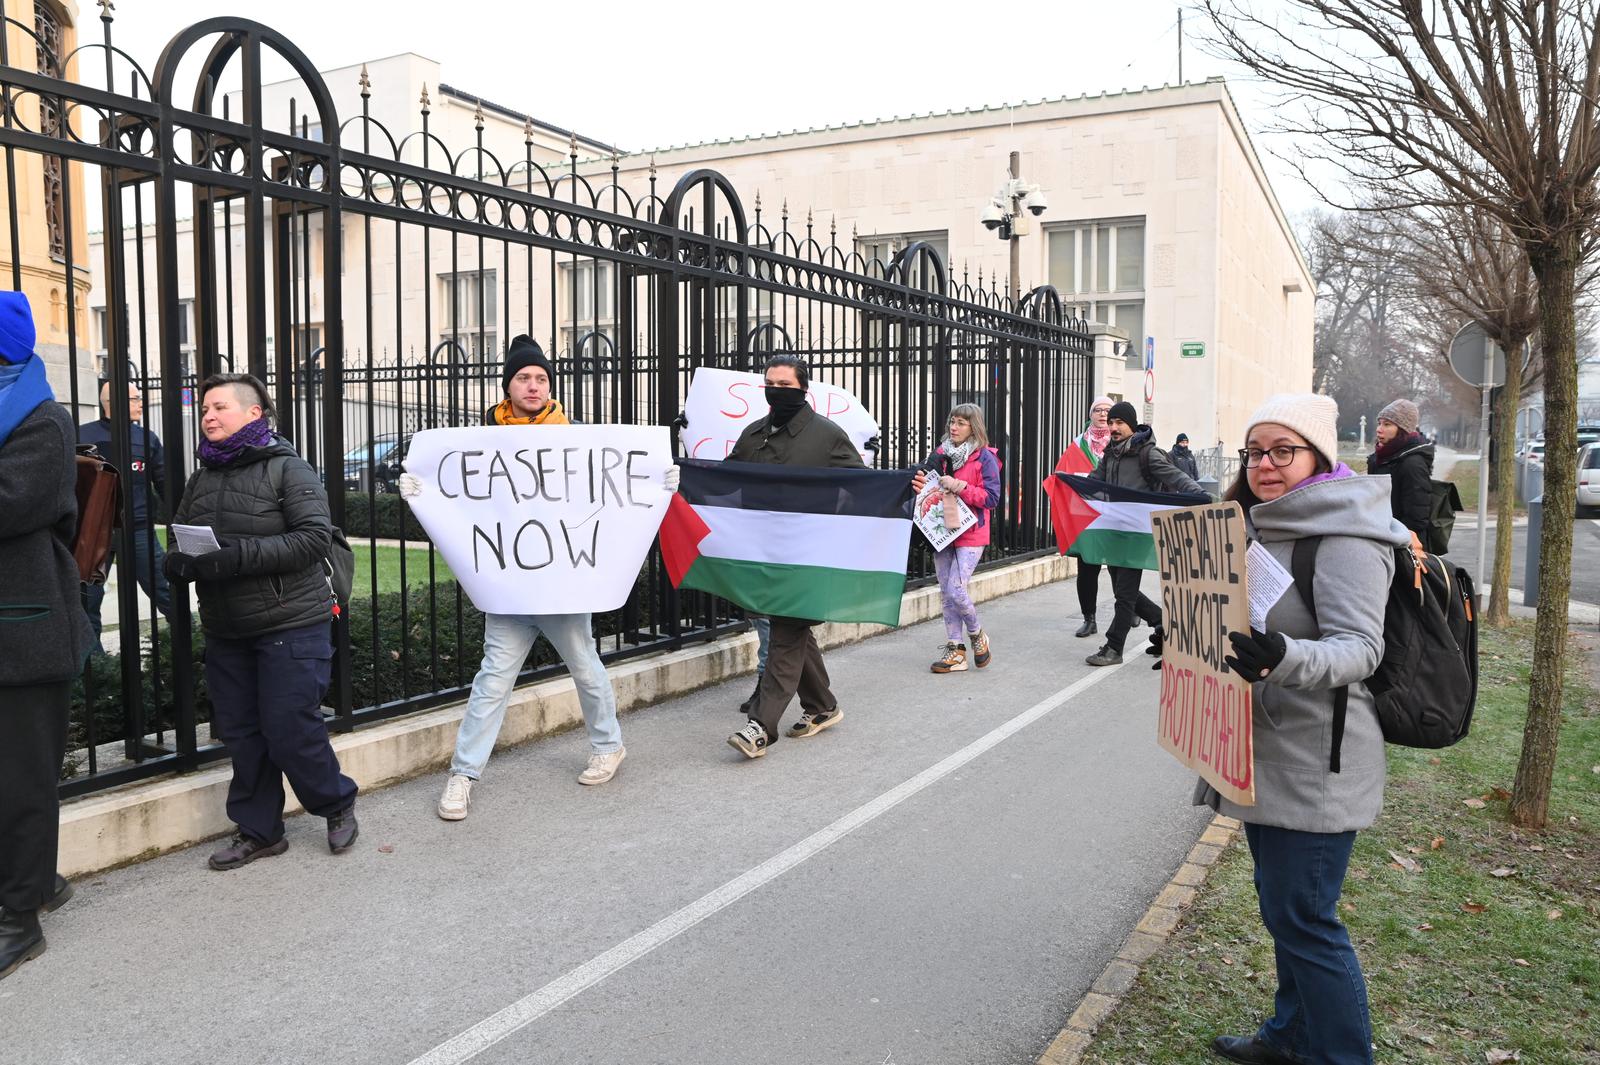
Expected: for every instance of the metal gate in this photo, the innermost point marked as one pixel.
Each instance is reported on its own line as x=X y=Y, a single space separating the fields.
x=372 y=279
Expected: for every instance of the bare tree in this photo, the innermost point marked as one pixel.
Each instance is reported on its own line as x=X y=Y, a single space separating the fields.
x=1479 y=105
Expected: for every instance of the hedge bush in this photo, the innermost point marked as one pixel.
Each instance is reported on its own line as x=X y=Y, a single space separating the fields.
x=385 y=516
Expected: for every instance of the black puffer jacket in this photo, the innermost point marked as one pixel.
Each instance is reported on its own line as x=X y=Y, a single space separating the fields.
x=1410 y=472
x=283 y=540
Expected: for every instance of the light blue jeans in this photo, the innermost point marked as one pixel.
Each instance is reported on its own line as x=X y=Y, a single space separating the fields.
x=507 y=639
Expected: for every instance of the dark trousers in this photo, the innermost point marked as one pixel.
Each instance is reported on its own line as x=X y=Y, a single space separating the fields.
x=1088 y=588
x=266 y=708
x=794 y=666
x=1130 y=601
x=1320 y=1011
x=33 y=740
x=148 y=557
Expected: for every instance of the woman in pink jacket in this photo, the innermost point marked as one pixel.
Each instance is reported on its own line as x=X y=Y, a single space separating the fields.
x=968 y=467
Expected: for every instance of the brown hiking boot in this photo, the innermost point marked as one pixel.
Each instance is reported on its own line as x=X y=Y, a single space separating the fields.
x=954 y=660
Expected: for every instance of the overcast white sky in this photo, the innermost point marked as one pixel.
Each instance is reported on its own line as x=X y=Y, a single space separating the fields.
x=635 y=75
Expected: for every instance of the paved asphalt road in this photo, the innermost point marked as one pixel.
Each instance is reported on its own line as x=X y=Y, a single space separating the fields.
x=937 y=879
x=1585 y=555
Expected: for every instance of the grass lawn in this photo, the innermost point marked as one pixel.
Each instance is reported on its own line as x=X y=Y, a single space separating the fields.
x=388 y=568
x=416 y=565
x=1491 y=944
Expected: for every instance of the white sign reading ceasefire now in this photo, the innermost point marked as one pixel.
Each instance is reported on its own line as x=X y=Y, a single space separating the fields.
x=542 y=519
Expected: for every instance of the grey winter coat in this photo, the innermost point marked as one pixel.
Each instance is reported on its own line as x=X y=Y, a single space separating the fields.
x=1123 y=465
x=1293 y=707
x=284 y=540
x=44 y=633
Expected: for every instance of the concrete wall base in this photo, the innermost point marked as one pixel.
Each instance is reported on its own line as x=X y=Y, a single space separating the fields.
x=149 y=818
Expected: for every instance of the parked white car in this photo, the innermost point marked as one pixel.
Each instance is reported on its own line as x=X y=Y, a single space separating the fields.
x=1588 y=477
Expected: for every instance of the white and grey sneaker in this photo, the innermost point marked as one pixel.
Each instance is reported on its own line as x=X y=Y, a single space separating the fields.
x=602 y=767
x=456 y=798
x=750 y=741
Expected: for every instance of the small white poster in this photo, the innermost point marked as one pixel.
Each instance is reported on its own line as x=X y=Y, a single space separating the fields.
x=542 y=519
x=928 y=514
x=722 y=403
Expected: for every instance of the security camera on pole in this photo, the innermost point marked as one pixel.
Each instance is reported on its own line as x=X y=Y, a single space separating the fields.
x=1481 y=363
x=1006 y=214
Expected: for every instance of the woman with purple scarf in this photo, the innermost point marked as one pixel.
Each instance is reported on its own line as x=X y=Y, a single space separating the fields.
x=267 y=607
x=1314 y=788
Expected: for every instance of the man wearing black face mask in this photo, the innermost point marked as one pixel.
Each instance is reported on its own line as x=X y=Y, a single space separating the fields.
x=791 y=434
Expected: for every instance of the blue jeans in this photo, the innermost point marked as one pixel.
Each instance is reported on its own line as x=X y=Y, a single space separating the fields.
x=148 y=557
x=763 y=626
x=1320 y=1011
x=507 y=639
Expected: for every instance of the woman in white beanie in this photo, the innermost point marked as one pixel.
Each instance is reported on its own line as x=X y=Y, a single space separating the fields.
x=1311 y=798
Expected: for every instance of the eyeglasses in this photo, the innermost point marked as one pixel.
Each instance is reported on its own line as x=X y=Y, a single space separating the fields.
x=1099 y=410
x=1282 y=455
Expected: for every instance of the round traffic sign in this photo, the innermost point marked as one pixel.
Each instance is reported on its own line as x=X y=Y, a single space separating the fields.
x=1149 y=386
x=1467 y=360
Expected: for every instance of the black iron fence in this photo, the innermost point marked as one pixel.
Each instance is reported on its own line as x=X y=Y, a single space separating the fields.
x=373 y=280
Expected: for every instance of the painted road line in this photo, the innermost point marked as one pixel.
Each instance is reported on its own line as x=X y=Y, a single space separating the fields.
x=526 y=1010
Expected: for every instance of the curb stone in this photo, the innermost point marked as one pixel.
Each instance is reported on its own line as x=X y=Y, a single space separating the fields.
x=1147 y=937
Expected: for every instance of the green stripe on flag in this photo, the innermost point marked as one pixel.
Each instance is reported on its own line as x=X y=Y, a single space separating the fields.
x=1116 y=547
x=812 y=592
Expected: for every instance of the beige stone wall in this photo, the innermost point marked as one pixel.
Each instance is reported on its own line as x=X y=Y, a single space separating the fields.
x=44 y=275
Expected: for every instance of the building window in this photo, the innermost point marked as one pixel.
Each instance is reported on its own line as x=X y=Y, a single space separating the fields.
x=587 y=305
x=470 y=304
x=885 y=246
x=100 y=339
x=1098 y=268
x=47 y=29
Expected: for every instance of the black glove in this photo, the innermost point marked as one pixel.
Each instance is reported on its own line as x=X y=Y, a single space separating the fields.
x=217 y=565
x=1255 y=656
x=178 y=567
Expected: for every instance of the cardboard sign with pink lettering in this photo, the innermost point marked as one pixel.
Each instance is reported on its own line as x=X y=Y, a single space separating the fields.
x=722 y=402
x=1205 y=713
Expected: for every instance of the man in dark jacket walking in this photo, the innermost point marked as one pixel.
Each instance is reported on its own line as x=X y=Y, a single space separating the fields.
x=1405 y=456
x=791 y=434
x=1183 y=458
x=1132 y=460
x=143 y=475
x=44 y=632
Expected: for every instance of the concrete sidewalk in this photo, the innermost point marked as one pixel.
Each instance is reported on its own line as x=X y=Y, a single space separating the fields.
x=939 y=878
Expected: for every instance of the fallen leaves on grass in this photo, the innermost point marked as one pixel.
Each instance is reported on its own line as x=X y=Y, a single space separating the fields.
x=1476 y=804
x=1473 y=907
x=1502 y=872
x=1497 y=793
x=1402 y=862
x=1438 y=841
x=1424 y=927
x=1522 y=963
x=1553 y=915
x=1496 y=1056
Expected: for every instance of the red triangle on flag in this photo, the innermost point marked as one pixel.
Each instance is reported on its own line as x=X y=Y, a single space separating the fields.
x=681 y=533
x=1070 y=514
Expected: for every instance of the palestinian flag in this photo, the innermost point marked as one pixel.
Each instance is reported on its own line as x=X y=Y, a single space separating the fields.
x=1107 y=524
x=794 y=541
x=1078 y=458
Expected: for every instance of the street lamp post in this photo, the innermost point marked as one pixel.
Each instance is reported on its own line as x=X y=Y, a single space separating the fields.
x=1007 y=212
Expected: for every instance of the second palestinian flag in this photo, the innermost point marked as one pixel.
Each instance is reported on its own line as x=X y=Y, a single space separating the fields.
x=1106 y=524
x=793 y=541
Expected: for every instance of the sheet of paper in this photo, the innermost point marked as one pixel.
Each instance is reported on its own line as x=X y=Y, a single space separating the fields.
x=196 y=539
x=1268 y=580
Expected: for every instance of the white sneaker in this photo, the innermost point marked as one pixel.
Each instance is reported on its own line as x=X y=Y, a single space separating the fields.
x=456 y=798
x=602 y=767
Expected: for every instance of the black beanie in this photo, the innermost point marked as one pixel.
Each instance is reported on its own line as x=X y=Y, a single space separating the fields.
x=524 y=352
x=1124 y=412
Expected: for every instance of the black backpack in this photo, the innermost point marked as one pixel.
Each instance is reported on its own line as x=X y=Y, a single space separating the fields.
x=1427 y=682
x=1444 y=500
x=339 y=563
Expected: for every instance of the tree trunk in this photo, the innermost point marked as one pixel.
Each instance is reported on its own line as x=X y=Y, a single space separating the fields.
x=1555 y=266
x=1505 y=477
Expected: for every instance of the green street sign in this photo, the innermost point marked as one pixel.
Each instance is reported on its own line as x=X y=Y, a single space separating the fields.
x=1192 y=349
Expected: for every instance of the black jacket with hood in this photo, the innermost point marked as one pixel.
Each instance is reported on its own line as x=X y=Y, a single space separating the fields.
x=284 y=539
x=1137 y=463
x=1410 y=473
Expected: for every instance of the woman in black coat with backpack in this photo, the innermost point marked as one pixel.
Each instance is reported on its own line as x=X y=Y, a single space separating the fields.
x=267 y=607
x=1405 y=456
